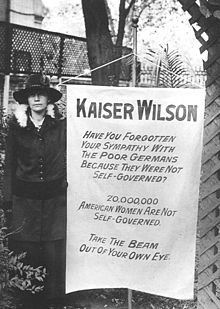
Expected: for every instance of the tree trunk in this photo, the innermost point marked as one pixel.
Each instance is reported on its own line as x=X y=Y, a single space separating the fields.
x=99 y=41
x=101 y=49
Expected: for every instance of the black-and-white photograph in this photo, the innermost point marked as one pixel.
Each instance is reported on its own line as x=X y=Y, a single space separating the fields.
x=109 y=154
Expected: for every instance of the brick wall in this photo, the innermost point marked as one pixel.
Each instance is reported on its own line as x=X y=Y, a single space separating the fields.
x=3 y=10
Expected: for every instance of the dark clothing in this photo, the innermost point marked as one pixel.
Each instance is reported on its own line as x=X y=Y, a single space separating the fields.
x=35 y=156
x=40 y=155
x=41 y=220
x=35 y=181
x=35 y=178
x=39 y=190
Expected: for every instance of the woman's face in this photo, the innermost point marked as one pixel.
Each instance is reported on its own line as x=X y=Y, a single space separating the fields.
x=38 y=100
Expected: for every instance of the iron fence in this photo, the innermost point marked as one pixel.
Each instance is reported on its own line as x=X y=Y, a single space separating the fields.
x=27 y=50
x=30 y=50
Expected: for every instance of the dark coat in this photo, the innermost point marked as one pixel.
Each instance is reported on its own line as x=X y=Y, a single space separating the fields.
x=35 y=176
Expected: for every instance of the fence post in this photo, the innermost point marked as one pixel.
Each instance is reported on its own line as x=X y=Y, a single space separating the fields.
x=7 y=68
x=60 y=61
x=6 y=93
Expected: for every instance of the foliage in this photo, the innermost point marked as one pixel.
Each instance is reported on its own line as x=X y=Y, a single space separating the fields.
x=3 y=132
x=150 y=13
x=170 y=66
x=14 y=274
x=159 y=22
x=66 y=18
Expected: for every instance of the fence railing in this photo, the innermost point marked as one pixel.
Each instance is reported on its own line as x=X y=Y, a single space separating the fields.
x=196 y=78
x=30 y=50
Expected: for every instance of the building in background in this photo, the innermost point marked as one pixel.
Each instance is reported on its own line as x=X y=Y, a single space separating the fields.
x=28 y=13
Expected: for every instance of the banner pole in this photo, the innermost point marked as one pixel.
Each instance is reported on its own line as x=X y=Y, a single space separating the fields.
x=129 y=299
x=134 y=84
x=134 y=66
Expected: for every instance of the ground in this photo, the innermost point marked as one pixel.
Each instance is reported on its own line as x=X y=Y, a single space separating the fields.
x=117 y=299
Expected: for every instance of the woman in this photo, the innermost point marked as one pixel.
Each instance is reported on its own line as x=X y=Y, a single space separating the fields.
x=35 y=177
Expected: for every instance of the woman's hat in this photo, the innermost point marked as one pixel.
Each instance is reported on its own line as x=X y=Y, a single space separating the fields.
x=36 y=82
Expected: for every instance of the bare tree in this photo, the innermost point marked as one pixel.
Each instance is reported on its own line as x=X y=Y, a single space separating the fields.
x=101 y=48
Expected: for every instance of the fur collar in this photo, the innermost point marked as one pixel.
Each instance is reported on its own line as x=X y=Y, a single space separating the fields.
x=21 y=113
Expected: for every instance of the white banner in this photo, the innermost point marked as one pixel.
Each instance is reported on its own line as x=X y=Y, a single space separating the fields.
x=133 y=158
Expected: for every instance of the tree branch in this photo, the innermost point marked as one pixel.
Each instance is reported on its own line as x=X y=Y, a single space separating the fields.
x=142 y=9
x=121 y=23
x=129 y=7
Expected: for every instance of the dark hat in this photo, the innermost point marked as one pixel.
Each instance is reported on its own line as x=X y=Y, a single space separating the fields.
x=37 y=82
